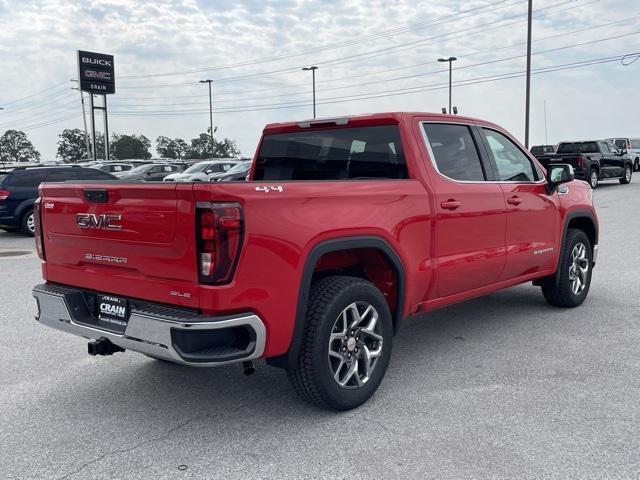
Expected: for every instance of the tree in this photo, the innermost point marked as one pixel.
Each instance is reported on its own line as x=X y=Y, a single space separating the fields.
x=72 y=145
x=201 y=148
x=171 y=148
x=130 y=146
x=16 y=147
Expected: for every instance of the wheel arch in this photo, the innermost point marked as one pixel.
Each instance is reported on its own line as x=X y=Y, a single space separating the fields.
x=315 y=254
x=583 y=220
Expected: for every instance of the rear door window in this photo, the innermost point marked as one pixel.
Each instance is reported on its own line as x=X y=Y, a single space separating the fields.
x=635 y=144
x=454 y=151
x=28 y=178
x=93 y=174
x=63 y=175
x=332 y=154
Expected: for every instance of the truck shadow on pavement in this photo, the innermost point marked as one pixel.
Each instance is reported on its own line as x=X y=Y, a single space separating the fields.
x=449 y=332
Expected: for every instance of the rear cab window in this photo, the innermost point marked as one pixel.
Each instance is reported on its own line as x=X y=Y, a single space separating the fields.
x=578 y=147
x=349 y=153
x=454 y=151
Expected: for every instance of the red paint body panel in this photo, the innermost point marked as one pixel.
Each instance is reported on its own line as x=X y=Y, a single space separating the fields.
x=448 y=255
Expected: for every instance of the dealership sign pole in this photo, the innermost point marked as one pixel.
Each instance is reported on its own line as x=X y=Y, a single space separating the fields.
x=96 y=74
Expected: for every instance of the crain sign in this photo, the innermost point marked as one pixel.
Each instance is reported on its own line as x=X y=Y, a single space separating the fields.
x=99 y=222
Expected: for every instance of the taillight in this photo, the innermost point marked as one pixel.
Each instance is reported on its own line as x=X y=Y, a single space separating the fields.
x=219 y=229
x=37 y=232
x=4 y=194
x=580 y=161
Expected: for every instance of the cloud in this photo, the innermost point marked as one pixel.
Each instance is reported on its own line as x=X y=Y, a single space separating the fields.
x=359 y=45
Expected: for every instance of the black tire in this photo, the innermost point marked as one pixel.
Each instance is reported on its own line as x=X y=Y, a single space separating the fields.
x=313 y=375
x=27 y=223
x=636 y=165
x=626 y=178
x=593 y=178
x=557 y=289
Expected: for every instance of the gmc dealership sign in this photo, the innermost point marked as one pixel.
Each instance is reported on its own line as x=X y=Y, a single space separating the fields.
x=96 y=73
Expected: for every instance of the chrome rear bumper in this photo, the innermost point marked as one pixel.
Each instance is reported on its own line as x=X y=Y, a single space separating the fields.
x=156 y=330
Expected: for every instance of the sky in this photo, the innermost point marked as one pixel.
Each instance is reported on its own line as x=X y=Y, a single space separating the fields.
x=372 y=56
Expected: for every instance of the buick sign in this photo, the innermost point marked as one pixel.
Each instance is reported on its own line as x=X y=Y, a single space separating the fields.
x=96 y=73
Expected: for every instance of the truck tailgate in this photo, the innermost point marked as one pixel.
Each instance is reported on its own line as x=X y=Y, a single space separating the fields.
x=134 y=240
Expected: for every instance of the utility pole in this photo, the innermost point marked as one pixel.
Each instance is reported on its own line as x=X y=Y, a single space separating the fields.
x=1 y=108
x=546 y=141
x=313 y=69
x=528 y=93
x=210 y=115
x=84 y=120
x=450 y=60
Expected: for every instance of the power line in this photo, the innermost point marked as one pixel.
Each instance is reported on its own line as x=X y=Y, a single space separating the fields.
x=406 y=77
x=388 y=93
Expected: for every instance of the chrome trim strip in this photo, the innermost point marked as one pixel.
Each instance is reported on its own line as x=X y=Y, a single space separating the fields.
x=144 y=333
x=435 y=166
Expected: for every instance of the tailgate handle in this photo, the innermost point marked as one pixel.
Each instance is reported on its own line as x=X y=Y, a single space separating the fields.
x=96 y=196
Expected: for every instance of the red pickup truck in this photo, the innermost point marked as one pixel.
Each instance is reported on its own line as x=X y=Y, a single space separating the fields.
x=348 y=227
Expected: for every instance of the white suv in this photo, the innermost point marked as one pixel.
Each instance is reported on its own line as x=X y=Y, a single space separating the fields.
x=202 y=171
x=632 y=146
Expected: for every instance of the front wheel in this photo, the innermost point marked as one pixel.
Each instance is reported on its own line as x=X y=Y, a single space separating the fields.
x=626 y=178
x=569 y=286
x=346 y=343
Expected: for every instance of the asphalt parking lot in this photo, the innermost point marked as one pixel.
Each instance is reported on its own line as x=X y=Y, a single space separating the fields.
x=499 y=387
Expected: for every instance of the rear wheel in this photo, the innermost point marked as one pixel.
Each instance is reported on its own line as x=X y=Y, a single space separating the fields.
x=593 y=178
x=636 y=165
x=28 y=224
x=626 y=178
x=346 y=343
x=569 y=286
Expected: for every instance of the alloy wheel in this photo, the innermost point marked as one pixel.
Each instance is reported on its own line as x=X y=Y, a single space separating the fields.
x=31 y=223
x=579 y=268
x=355 y=345
x=594 y=179
x=627 y=174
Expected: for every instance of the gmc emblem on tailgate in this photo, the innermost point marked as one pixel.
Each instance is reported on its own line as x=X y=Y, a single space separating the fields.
x=100 y=222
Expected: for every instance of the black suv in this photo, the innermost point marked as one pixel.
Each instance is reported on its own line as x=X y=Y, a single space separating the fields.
x=19 y=189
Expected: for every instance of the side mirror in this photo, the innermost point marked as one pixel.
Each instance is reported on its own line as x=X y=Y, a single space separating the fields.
x=623 y=151
x=557 y=174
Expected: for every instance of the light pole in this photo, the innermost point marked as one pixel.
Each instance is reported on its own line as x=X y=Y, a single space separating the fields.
x=313 y=69
x=210 y=115
x=528 y=93
x=450 y=60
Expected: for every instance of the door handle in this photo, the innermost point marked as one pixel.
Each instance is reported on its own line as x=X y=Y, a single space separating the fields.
x=514 y=201
x=450 y=204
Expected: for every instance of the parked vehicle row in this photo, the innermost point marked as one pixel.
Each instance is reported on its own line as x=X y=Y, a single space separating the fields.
x=19 y=185
x=592 y=161
x=19 y=191
x=595 y=160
